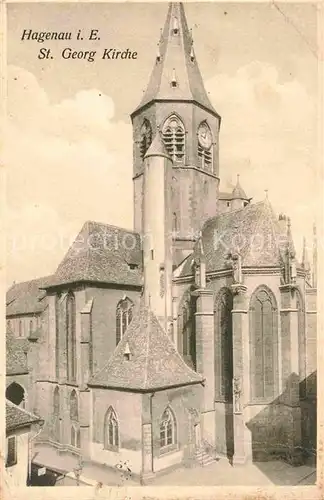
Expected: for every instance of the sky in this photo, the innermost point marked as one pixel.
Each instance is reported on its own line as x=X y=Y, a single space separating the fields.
x=69 y=137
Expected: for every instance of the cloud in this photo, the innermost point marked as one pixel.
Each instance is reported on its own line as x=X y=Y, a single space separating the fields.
x=268 y=135
x=66 y=162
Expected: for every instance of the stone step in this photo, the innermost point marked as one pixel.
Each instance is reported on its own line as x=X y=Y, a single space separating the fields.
x=203 y=458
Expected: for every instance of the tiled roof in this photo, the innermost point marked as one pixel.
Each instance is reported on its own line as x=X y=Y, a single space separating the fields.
x=17 y=417
x=16 y=359
x=254 y=230
x=176 y=60
x=238 y=192
x=102 y=253
x=154 y=361
x=27 y=297
x=157 y=147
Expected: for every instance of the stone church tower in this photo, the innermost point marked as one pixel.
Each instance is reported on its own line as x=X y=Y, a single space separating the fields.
x=205 y=327
x=176 y=107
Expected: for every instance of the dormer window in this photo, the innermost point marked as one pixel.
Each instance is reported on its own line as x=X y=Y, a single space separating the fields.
x=174 y=82
x=127 y=352
x=158 y=54
x=175 y=27
x=133 y=267
x=124 y=315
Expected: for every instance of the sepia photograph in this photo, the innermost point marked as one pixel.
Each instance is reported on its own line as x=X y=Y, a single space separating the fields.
x=162 y=225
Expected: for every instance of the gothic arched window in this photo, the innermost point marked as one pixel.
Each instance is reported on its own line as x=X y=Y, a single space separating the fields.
x=56 y=414
x=71 y=337
x=263 y=345
x=168 y=429
x=111 y=430
x=145 y=137
x=74 y=417
x=57 y=361
x=301 y=344
x=124 y=314
x=174 y=222
x=224 y=344
x=74 y=407
x=173 y=133
x=205 y=149
x=56 y=401
x=187 y=330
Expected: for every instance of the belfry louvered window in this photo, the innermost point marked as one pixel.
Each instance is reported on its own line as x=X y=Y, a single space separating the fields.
x=124 y=314
x=145 y=137
x=205 y=158
x=174 y=138
x=205 y=149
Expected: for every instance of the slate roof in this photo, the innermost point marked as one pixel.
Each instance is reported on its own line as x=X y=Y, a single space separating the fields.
x=154 y=364
x=102 y=253
x=157 y=147
x=26 y=297
x=254 y=229
x=238 y=192
x=176 y=58
x=17 y=417
x=16 y=360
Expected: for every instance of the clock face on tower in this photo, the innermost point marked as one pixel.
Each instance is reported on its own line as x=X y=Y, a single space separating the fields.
x=204 y=136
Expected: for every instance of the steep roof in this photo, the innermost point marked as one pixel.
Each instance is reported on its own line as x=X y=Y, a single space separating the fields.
x=102 y=253
x=17 y=417
x=157 y=147
x=238 y=192
x=176 y=60
x=154 y=361
x=16 y=360
x=254 y=230
x=26 y=297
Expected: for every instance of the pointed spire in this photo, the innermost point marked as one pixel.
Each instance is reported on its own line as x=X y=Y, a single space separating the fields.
x=290 y=242
x=305 y=261
x=200 y=247
x=238 y=192
x=157 y=148
x=176 y=54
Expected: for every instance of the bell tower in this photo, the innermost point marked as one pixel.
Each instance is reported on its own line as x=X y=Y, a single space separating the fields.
x=176 y=105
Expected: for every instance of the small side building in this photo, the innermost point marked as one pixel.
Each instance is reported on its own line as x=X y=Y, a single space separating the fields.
x=20 y=427
x=145 y=402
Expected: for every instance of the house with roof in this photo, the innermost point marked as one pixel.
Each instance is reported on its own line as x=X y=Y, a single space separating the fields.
x=20 y=428
x=191 y=336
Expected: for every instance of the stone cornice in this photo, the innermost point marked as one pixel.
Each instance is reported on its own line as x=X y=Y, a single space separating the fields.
x=247 y=271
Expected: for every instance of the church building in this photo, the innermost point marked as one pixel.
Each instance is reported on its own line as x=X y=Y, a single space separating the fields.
x=191 y=337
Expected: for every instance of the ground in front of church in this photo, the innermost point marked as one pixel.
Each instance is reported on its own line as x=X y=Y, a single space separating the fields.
x=219 y=473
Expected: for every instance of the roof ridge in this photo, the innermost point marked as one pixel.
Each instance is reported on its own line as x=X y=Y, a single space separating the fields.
x=175 y=350
x=105 y=224
x=29 y=281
